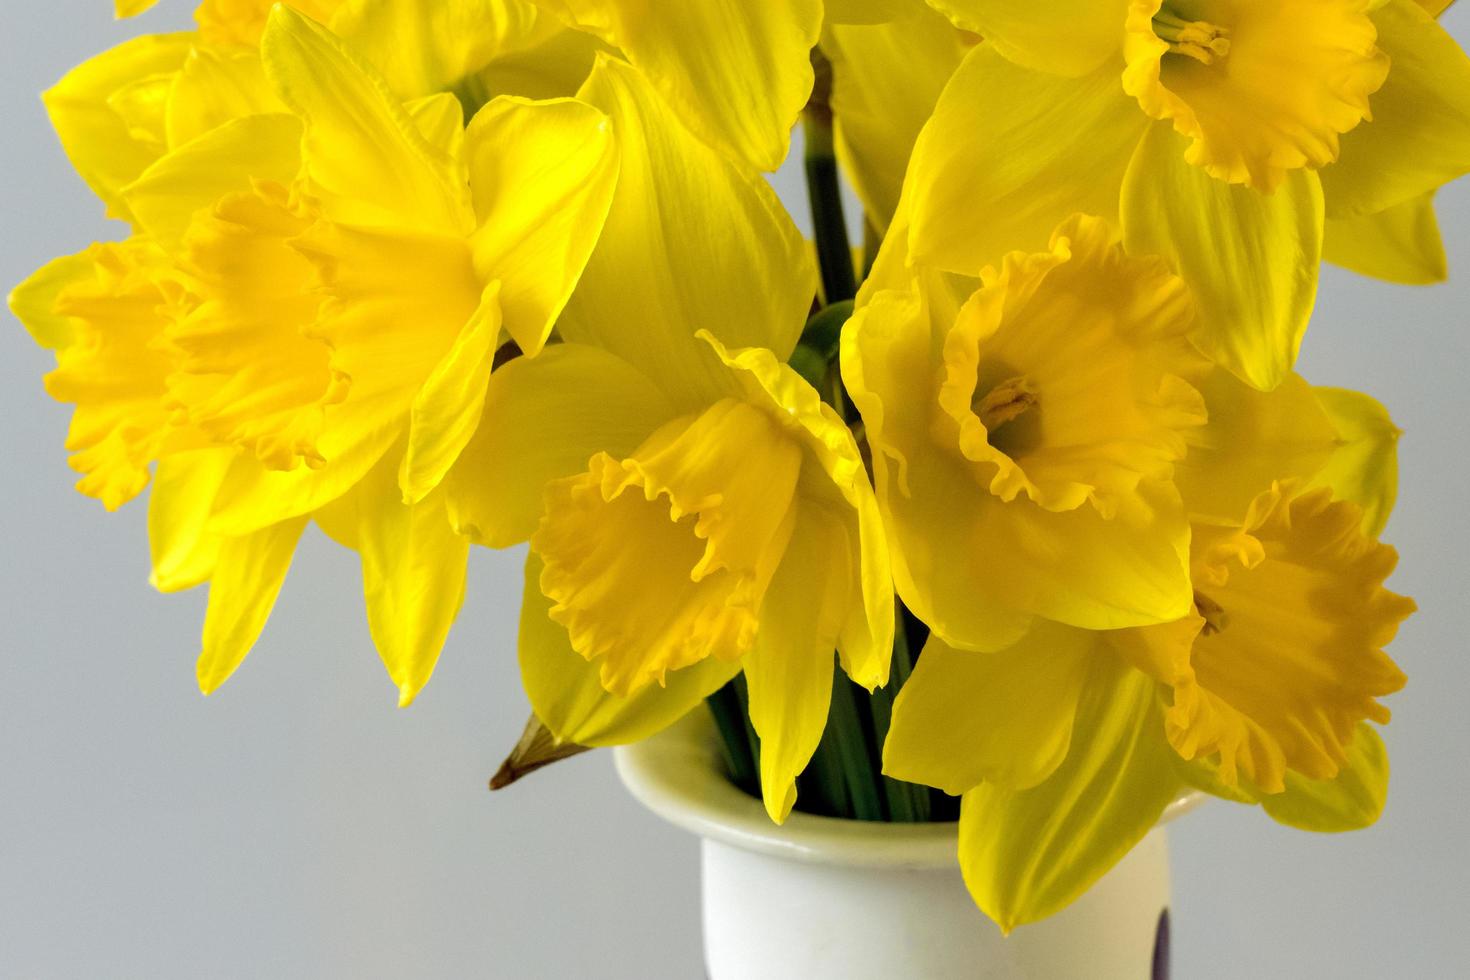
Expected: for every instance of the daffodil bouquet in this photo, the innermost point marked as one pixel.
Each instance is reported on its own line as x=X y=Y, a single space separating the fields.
x=1016 y=512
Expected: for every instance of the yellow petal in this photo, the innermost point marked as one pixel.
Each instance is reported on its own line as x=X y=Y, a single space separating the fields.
x=1253 y=438
x=247 y=578
x=413 y=574
x=1351 y=800
x=166 y=196
x=440 y=119
x=837 y=487
x=184 y=553
x=1026 y=855
x=142 y=105
x=1419 y=138
x=1011 y=152
x=241 y=22
x=358 y=436
x=566 y=690
x=395 y=302
x=131 y=8
x=877 y=121
x=692 y=242
x=543 y=175
x=660 y=560
x=1260 y=89
x=1251 y=259
x=216 y=86
x=861 y=11
x=363 y=154
x=789 y=668
x=34 y=302
x=553 y=68
x=703 y=56
x=96 y=139
x=963 y=718
x=547 y=417
x=1064 y=37
x=1364 y=466
x=1399 y=244
x=447 y=409
x=428 y=46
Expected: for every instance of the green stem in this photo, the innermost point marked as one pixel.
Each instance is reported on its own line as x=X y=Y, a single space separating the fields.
x=731 y=719
x=907 y=802
x=854 y=751
x=834 y=251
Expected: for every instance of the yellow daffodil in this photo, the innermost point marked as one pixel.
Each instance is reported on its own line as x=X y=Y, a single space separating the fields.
x=1238 y=130
x=313 y=306
x=1066 y=757
x=1025 y=430
x=739 y=73
x=121 y=114
x=1068 y=744
x=693 y=508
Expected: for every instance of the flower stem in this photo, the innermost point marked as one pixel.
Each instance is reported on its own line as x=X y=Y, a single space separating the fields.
x=731 y=719
x=834 y=252
x=907 y=803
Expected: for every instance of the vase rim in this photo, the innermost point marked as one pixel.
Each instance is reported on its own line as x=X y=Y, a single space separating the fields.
x=679 y=775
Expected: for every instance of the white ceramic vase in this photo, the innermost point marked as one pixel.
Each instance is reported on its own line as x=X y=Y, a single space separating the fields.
x=822 y=899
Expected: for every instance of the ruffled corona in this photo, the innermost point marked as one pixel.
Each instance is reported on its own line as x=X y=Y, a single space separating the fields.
x=1260 y=87
x=115 y=367
x=1024 y=446
x=1064 y=376
x=248 y=374
x=658 y=561
x=1283 y=657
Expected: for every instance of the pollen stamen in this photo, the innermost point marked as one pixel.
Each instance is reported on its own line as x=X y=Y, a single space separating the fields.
x=1199 y=40
x=1214 y=615
x=1005 y=402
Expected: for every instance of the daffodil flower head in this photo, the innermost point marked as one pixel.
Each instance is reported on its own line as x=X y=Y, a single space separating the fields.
x=313 y=302
x=1268 y=685
x=1064 y=374
x=1283 y=657
x=660 y=560
x=1024 y=438
x=1259 y=87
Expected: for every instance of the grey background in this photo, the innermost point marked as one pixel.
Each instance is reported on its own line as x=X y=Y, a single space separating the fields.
x=297 y=825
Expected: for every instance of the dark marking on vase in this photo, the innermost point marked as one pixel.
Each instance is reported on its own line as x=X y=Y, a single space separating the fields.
x=1161 y=948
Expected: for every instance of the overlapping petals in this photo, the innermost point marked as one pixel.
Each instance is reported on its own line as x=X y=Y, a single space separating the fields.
x=1024 y=474
x=703 y=511
x=738 y=72
x=321 y=287
x=1238 y=199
